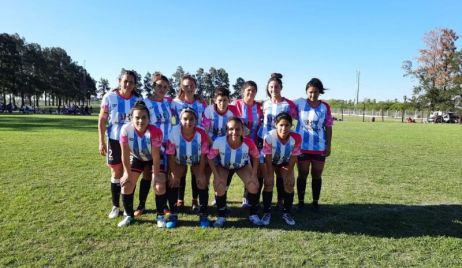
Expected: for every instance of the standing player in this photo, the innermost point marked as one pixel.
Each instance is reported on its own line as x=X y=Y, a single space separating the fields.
x=216 y=115
x=271 y=108
x=233 y=152
x=114 y=113
x=188 y=145
x=281 y=148
x=187 y=97
x=140 y=144
x=251 y=114
x=315 y=127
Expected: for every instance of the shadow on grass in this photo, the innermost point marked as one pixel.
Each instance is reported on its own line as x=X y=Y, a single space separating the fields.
x=381 y=220
x=41 y=122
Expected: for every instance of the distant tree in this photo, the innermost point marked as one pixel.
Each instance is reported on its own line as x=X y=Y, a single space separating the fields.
x=147 y=84
x=237 y=88
x=213 y=79
x=200 y=76
x=438 y=71
x=103 y=86
x=175 y=81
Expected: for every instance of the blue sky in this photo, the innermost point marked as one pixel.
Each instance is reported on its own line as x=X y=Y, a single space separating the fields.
x=328 y=39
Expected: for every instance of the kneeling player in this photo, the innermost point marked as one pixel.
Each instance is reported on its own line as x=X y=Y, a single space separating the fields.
x=232 y=153
x=281 y=148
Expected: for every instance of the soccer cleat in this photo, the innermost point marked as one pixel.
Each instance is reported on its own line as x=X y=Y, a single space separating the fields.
x=195 y=206
x=204 y=222
x=125 y=222
x=172 y=221
x=265 y=220
x=114 y=213
x=255 y=220
x=288 y=219
x=161 y=221
x=219 y=222
x=245 y=203
x=139 y=211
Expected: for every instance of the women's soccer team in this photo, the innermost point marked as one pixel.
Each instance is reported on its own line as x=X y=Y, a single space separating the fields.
x=159 y=137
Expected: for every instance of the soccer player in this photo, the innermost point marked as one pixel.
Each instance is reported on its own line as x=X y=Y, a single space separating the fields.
x=281 y=148
x=233 y=152
x=187 y=97
x=114 y=113
x=271 y=108
x=140 y=144
x=315 y=127
x=216 y=115
x=188 y=145
x=250 y=111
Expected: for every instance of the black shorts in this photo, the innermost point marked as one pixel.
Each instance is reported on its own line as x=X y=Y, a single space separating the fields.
x=259 y=143
x=285 y=164
x=312 y=158
x=114 y=153
x=138 y=165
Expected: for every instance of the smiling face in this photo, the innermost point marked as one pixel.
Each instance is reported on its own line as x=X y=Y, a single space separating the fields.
x=274 y=89
x=127 y=83
x=188 y=121
x=283 y=129
x=160 y=89
x=313 y=93
x=189 y=88
x=140 y=119
x=234 y=131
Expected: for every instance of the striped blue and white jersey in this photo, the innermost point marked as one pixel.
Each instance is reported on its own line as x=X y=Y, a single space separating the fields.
x=233 y=158
x=271 y=110
x=161 y=114
x=141 y=143
x=187 y=151
x=280 y=150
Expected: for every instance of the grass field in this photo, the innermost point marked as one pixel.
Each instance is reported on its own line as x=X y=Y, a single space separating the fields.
x=392 y=196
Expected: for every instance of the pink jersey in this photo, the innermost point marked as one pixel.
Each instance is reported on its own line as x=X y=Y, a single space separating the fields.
x=187 y=151
x=252 y=115
x=279 y=150
x=161 y=114
x=197 y=105
x=271 y=110
x=141 y=143
x=312 y=123
x=215 y=122
x=118 y=109
x=231 y=158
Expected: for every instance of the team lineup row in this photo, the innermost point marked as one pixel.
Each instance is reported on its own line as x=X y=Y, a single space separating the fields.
x=252 y=139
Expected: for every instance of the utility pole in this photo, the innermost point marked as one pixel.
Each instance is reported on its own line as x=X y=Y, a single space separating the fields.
x=358 y=73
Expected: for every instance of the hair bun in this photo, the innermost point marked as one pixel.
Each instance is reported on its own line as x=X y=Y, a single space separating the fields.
x=276 y=75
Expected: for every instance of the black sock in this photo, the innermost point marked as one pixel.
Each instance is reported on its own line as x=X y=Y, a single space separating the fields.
x=181 y=188
x=145 y=186
x=203 y=200
x=127 y=199
x=267 y=196
x=280 y=188
x=172 y=196
x=230 y=178
x=115 y=192
x=301 y=186
x=194 y=189
x=316 y=188
x=221 y=205
x=253 y=202
x=288 y=201
x=161 y=201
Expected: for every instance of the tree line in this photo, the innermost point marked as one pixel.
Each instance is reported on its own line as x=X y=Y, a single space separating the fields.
x=32 y=73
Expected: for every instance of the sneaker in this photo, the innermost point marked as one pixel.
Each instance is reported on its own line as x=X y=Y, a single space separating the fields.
x=204 y=222
x=114 y=213
x=288 y=219
x=255 y=220
x=161 y=221
x=280 y=205
x=195 y=206
x=214 y=203
x=300 y=207
x=219 y=222
x=139 y=211
x=125 y=222
x=265 y=220
x=245 y=203
x=315 y=207
x=172 y=221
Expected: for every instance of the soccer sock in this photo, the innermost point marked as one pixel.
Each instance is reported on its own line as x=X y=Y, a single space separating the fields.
x=115 y=191
x=182 y=188
x=221 y=205
x=280 y=188
x=194 y=189
x=161 y=201
x=127 y=199
x=288 y=201
x=229 y=179
x=316 y=188
x=267 y=196
x=253 y=201
x=172 y=195
x=203 y=200
x=301 y=186
x=145 y=186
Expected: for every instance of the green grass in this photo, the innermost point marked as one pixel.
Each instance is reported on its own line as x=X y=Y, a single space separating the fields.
x=391 y=197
